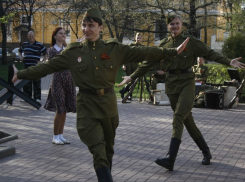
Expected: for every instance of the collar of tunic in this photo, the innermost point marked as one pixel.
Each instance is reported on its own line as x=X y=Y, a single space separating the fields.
x=177 y=37
x=92 y=44
x=200 y=65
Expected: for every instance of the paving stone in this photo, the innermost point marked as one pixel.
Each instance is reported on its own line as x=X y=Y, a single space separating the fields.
x=143 y=135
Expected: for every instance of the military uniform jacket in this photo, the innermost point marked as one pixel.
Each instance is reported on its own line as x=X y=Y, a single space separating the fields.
x=153 y=66
x=185 y=60
x=131 y=67
x=201 y=72
x=94 y=65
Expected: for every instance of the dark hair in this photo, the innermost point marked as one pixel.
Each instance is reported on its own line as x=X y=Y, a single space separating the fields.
x=53 y=41
x=97 y=20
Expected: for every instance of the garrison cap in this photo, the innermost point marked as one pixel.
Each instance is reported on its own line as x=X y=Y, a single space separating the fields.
x=170 y=17
x=93 y=12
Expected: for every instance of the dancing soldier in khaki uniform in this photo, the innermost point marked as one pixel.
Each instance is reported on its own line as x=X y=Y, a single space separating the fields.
x=94 y=64
x=180 y=88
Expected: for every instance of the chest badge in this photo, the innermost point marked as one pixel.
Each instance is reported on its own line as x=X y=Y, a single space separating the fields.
x=105 y=56
x=79 y=59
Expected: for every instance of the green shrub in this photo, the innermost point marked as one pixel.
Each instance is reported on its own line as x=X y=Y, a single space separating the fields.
x=234 y=47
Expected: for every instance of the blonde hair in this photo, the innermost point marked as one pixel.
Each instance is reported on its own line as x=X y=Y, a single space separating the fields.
x=137 y=34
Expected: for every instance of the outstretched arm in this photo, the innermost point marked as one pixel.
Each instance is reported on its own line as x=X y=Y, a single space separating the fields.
x=126 y=79
x=136 y=54
x=237 y=64
x=182 y=46
x=139 y=72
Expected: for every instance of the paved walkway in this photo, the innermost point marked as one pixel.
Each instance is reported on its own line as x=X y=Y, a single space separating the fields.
x=143 y=135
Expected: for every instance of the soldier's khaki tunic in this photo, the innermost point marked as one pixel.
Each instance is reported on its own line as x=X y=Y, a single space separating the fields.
x=146 y=67
x=181 y=88
x=97 y=116
x=201 y=72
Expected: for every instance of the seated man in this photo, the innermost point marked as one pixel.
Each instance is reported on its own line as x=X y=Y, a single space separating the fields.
x=201 y=71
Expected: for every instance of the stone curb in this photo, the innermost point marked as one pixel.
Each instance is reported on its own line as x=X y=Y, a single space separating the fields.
x=6 y=151
x=8 y=138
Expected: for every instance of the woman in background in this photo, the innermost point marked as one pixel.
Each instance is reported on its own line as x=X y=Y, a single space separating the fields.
x=62 y=93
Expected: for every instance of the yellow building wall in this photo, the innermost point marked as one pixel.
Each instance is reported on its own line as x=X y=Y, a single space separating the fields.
x=43 y=30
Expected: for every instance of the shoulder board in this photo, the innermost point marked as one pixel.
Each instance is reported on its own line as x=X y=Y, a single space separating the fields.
x=186 y=36
x=163 y=41
x=74 y=45
x=111 y=40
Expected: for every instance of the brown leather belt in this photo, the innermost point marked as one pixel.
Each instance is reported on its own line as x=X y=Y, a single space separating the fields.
x=98 y=92
x=180 y=71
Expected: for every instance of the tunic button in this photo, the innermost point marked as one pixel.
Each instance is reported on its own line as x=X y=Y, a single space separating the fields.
x=93 y=48
x=111 y=66
x=97 y=68
x=94 y=57
x=185 y=56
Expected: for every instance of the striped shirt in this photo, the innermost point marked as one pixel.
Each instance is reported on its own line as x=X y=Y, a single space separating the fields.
x=32 y=52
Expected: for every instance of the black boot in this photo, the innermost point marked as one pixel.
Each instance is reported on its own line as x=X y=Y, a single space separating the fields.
x=168 y=162
x=122 y=92
x=104 y=174
x=110 y=165
x=201 y=143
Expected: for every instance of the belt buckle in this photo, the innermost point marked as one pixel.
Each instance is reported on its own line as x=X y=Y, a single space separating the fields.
x=177 y=72
x=100 y=92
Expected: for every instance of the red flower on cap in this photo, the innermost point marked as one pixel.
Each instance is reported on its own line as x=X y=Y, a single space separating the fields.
x=185 y=49
x=105 y=56
x=87 y=14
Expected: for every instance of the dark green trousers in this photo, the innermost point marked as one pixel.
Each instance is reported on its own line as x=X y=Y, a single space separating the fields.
x=99 y=136
x=182 y=104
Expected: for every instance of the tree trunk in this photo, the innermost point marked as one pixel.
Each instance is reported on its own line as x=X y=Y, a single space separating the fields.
x=205 y=26
x=192 y=29
x=163 y=27
x=4 y=36
x=4 y=43
x=29 y=23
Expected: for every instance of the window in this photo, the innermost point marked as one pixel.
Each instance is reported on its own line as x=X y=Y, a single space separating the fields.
x=64 y=23
x=9 y=31
x=24 y=20
x=161 y=29
x=127 y=32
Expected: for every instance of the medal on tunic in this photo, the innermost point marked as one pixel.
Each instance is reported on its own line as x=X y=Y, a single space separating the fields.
x=79 y=59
